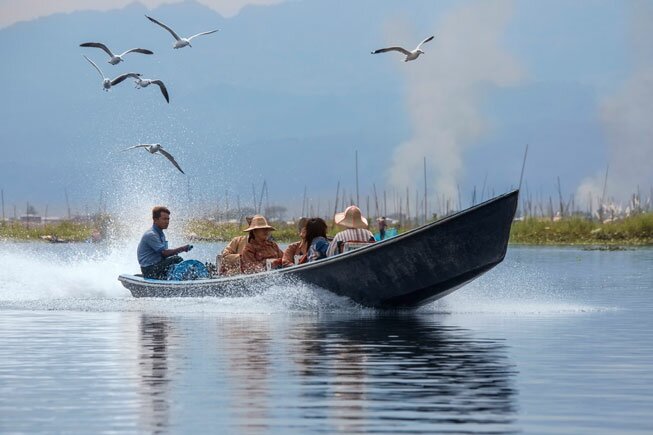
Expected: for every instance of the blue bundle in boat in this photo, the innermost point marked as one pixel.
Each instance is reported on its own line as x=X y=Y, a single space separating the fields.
x=188 y=270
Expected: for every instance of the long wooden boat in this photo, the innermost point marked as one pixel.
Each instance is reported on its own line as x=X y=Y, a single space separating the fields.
x=411 y=269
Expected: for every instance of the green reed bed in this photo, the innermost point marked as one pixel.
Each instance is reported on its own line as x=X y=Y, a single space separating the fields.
x=633 y=231
x=65 y=230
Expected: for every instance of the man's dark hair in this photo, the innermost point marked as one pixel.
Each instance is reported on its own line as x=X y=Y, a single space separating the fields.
x=156 y=211
x=315 y=227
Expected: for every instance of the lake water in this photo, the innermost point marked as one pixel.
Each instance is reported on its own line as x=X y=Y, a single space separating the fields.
x=553 y=340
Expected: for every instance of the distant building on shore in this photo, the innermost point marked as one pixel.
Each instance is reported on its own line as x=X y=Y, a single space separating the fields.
x=30 y=219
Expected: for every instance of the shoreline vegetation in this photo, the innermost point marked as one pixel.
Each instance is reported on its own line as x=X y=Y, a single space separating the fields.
x=635 y=230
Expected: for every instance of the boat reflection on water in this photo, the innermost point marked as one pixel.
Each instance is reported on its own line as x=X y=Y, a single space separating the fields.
x=153 y=369
x=379 y=373
x=391 y=372
x=249 y=368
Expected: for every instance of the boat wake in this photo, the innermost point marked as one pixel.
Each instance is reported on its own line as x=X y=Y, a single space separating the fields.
x=37 y=278
x=511 y=289
x=83 y=277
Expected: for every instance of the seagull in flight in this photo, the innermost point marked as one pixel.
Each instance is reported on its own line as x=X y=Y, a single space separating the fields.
x=107 y=82
x=157 y=148
x=410 y=55
x=180 y=42
x=144 y=83
x=115 y=59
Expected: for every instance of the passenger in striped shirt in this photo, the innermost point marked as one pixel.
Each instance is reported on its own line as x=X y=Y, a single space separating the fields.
x=355 y=229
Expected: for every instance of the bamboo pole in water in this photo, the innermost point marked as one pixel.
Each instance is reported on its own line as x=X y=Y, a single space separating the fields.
x=523 y=165
x=407 y=207
x=67 y=202
x=562 y=203
x=226 y=204
x=605 y=189
x=376 y=202
x=335 y=208
x=425 y=217
x=416 y=207
x=605 y=184
x=483 y=189
x=267 y=196
x=527 y=201
x=385 y=204
x=357 y=197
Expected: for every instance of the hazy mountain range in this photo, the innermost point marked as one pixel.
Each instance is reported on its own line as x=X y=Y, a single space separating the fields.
x=287 y=93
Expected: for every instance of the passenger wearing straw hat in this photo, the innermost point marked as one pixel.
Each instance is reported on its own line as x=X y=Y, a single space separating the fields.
x=229 y=258
x=260 y=248
x=355 y=229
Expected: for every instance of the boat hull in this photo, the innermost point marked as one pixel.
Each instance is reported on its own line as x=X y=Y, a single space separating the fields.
x=409 y=270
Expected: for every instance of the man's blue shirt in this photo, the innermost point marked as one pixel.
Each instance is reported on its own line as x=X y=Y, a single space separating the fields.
x=152 y=244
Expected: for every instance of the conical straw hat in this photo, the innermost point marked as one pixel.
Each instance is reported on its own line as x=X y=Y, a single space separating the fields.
x=258 y=221
x=351 y=218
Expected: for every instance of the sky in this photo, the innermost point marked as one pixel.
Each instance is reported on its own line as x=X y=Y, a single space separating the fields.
x=572 y=80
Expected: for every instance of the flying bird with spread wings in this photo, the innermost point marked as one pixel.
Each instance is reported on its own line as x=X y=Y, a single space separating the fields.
x=410 y=55
x=107 y=82
x=157 y=148
x=179 y=41
x=115 y=59
x=144 y=83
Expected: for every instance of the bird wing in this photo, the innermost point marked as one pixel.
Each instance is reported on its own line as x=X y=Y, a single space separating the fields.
x=122 y=77
x=399 y=49
x=165 y=27
x=96 y=67
x=425 y=41
x=137 y=50
x=164 y=91
x=168 y=156
x=136 y=146
x=203 y=33
x=97 y=45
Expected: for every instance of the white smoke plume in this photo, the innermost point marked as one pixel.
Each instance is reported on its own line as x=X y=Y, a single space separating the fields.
x=444 y=89
x=626 y=118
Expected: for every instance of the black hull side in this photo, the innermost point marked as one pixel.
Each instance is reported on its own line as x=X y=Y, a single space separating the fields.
x=408 y=270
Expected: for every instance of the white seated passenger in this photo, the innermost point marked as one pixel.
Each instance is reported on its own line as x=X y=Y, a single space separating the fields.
x=355 y=230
